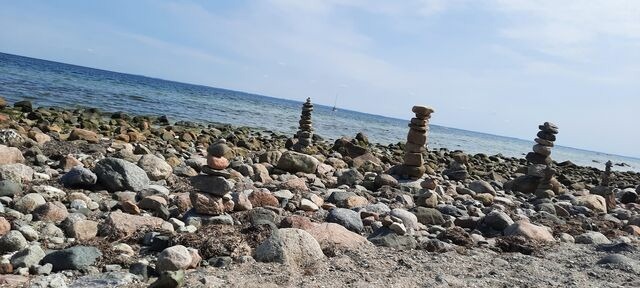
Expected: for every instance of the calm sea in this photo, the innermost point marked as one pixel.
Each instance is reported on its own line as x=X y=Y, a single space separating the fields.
x=48 y=83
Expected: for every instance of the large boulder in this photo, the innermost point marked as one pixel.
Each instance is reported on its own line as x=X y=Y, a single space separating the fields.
x=17 y=172
x=156 y=168
x=593 y=202
x=27 y=257
x=74 y=258
x=385 y=237
x=429 y=216
x=529 y=231
x=290 y=246
x=334 y=237
x=295 y=162
x=174 y=258
x=10 y=155
x=119 y=175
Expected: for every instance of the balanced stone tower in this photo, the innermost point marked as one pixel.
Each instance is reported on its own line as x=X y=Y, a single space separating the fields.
x=416 y=140
x=305 y=130
x=604 y=189
x=540 y=160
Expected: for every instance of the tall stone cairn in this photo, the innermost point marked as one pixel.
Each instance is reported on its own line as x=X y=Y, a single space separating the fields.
x=305 y=130
x=540 y=159
x=607 y=190
x=544 y=142
x=416 y=140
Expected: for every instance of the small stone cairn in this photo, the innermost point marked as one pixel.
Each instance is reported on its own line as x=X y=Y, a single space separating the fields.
x=213 y=189
x=540 y=160
x=305 y=130
x=604 y=189
x=458 y=167
x=416 y=140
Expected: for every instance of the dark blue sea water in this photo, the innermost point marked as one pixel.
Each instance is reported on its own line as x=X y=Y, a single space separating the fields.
x=49 y=83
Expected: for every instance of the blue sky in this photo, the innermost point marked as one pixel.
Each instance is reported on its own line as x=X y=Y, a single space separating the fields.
x=494 y=66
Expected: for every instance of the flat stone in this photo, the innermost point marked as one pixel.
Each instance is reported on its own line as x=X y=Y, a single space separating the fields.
x=74 y=258
x=214 y=185
x=127 y=224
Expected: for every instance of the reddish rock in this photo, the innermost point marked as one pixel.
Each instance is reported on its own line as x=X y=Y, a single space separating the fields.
x=262 y=197
x=51 y=211
x=195 y=258
x=5 y=268
x=294 y=185
x=631 y=229
x=241 y=201
x=39 y=137
x=296 y=221
x=153 y=202
x=182 y=201
x=356 y=201
x=127 y=224
x=529 y=231
x=69 y=162
x=10 y=155
x=334 y=236
x=5 y=226
x=82 y=134
x=130 y=207
x=83 y=230
x=209 y=204
x=217 y=163
x=4 y=118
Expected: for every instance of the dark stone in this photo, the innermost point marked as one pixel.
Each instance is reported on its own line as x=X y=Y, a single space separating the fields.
x=387 y=238
x=74 y=258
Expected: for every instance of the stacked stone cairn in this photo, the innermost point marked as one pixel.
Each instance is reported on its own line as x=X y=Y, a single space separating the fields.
x=458 y=166
x=213 y=189
x=416 y=140
x=604 y=189
x=540 y=160
x=305 y=130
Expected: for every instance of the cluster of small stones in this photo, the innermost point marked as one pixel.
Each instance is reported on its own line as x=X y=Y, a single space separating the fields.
x=168 y=198
x=305 y=130
x=413 y=166
x=541 y=161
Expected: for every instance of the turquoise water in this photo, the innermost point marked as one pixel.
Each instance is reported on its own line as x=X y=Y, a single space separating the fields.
x=49 y=83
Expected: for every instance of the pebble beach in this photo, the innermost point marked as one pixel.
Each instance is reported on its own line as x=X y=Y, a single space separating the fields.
x=100 y=199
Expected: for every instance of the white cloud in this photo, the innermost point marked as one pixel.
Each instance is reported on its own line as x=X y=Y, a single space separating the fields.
x=570 y=28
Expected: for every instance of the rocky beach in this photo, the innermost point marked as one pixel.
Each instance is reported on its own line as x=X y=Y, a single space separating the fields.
x=108 y=199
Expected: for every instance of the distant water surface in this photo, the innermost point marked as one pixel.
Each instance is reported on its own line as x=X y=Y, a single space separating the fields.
x=49 y=83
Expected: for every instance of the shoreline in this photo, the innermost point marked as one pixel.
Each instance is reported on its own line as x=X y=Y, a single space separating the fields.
x=148 y=200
